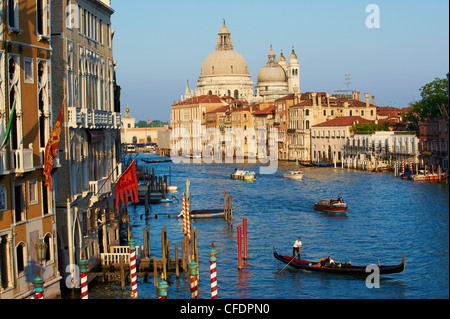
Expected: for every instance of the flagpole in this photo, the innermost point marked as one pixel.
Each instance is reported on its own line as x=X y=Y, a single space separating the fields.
x=113 y=173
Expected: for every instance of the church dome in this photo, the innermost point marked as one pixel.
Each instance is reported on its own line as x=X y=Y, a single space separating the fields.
x=224 y=62
x=272 y=71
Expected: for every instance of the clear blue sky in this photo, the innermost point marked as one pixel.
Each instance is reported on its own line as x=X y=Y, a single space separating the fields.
x=159 y=45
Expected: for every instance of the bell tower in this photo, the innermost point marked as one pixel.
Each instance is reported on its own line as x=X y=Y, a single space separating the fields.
x=294 y=73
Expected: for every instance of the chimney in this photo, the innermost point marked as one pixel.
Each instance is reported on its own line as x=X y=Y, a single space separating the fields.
x=367 y=95
x=328 y=99
x=359 y=96
x=373 y=100
x=319 y=99
x=313 y=97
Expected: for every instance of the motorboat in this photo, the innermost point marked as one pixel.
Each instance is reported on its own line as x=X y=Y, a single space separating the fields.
x=295 y=175
x=336 y=206
x=243 y=175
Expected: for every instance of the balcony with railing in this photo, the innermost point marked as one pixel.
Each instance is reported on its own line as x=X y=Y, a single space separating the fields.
x=93 y=119
x=22 y=160
x=100 y=187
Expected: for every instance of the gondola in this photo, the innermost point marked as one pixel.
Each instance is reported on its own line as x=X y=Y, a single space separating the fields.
x=338 y=268
x=155 y=161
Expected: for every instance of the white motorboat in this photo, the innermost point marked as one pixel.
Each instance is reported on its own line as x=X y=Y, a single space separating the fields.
x=244 y=175
x=295 y=175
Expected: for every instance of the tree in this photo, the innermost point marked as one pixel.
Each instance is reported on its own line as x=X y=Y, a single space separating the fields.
x=434 y=96
x=369 y=128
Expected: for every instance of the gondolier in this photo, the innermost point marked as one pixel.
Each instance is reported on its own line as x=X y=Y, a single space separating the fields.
x=296 y=248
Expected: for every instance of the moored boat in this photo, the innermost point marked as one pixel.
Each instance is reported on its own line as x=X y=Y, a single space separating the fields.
x=295 y=175
x=337 y=206
x=338 y=268
x=155 y=161
x=423 y=176
x=172 y=188
x=207 y=213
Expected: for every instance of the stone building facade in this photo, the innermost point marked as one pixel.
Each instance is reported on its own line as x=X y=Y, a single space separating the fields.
x=90 y=151
x=27 y=207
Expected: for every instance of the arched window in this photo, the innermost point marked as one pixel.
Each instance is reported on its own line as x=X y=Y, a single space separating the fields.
x=236 y=94
x=209 y=92
x=307 y=125
x=307 y=112
x=49 y=244
x=21 y=257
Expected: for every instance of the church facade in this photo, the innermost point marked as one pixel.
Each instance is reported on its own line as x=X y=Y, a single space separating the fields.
x=226 y=73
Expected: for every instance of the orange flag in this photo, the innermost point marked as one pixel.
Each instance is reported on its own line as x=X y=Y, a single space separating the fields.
x=51 y=150
x=127 y=183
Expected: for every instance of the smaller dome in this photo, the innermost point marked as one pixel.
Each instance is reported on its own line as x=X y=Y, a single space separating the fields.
x=281 y=58
x=224 y=29
x=272 y=71
x=293 y=56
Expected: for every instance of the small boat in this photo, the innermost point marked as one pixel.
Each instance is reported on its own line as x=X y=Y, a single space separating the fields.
x=205 y=213
x=208 y=213
x=423 y=176
x=244 y=175
x=155 y=161
x=337 y=206
x=160 y=200
x=295 y=175
x=338 y=268
x=172 y=188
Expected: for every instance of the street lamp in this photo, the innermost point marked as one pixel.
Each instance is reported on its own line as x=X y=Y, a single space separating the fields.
x=41 y=252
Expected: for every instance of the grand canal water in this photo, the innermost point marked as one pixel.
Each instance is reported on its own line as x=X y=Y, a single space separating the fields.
x=387 y=217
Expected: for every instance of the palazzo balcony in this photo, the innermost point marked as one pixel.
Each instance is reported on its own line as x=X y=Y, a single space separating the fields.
x=93 y=119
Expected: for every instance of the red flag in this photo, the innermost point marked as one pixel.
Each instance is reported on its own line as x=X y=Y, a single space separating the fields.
x=51 y=150
x=127 y=183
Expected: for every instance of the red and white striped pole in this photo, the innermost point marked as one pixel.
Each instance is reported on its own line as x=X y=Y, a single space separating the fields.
x=212 y=268
x=83 y=279
x=132 y=244
x=194 y=280
x=38 y=286
x=188 y=218
x=184 y=214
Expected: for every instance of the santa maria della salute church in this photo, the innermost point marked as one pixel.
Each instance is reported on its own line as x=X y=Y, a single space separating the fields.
x=225 y=73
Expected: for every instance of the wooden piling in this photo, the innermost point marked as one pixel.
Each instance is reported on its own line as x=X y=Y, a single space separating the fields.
x=168 y=254
x=148 y=241
x=177 y=271
x=183 y=251
x=122 y=274
x=163 y=254
x=145 y=243
x=155 y=271
x=239 y=247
